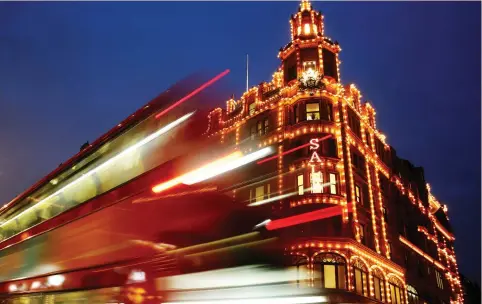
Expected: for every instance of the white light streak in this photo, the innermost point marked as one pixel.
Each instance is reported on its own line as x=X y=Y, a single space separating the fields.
x=272 y=199
x=201 y=175
x=263 y=223
x=146 y=140
x=284 y=300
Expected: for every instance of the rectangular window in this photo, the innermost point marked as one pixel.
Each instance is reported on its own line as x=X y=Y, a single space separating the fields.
x=341 y=276
x=313 y=111
x=260 y=128
x=376 y=283
x=252 y=108
x=268 y=190
x=307 y=65
x=440 y=283
x=362 y=234
x=333 y=183
x=329 y=64
x=397 y=292
x=358 y=281
x=266 y=126
x=301 y=190
x=326 y=111
x=253 y=132
x=259 y=193
x=365 y=287
x=392 y=294
x=316 y=182
x=357 y=194
x=329 y=276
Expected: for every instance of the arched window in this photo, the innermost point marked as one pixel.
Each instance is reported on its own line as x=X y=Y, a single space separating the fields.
x=412 y=295
x=332 y=270
x=360 y=273
x=396 y=291
x=378 y=285
x=300 y=262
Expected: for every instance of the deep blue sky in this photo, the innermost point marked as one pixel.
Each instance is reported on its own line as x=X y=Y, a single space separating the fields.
x=71 y=71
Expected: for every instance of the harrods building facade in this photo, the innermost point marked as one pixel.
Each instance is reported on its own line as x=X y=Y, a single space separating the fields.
x=377 y=233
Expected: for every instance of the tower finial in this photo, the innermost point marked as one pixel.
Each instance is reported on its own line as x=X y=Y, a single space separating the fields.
x=305 y=5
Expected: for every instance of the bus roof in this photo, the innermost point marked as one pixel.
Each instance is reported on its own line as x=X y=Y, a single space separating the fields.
x=176 y=91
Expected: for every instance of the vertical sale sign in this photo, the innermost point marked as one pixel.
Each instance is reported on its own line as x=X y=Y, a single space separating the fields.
x=316 y=176
x=315 y=164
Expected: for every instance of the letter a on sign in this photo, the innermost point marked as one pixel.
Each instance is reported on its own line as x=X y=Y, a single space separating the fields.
x=315 y=158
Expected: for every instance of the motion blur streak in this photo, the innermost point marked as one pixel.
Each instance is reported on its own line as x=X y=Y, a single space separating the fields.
x=245 y=284
x=202 y=190
x=213 y=169
x=287 y=300
x=202 y=175
x=291 y=150
x=193 y=174
x=303 y=218
x=272 y=199
x=144 y=141
x=223 y=249
x=193 y=93
x=231 y=241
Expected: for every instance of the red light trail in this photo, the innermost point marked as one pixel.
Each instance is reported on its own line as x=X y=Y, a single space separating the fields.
x=290 y=151
x=305 y=217
x=193 y=93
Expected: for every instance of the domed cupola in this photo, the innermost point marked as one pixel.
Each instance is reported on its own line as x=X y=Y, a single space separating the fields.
x=309 y=52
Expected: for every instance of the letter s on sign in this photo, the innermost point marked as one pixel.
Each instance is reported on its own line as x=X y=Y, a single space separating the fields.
x=314 y=145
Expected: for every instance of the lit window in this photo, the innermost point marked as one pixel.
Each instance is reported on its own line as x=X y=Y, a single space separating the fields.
x=357 y=194
x=268 y=190
x=332 y=183
x=307 y=29
x=313 y=111
x=259 y=193
x=361 y=286
x=260 y=128
x=331 y=268
x=378 y=287
x=309 y=65
x=266 y=126
x=440 y=282
x=252 y=108
x=316 y=182
x=299 y=30
x=300 y=185
x=395 y=294
x=412 y=295
x=315 y=28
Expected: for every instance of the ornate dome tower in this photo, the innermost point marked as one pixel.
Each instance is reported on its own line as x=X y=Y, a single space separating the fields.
x=310 y=55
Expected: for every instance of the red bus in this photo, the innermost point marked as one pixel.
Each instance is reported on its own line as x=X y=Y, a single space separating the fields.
x=94 y=231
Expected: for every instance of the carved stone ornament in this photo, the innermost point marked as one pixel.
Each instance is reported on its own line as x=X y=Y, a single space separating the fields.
x=311 y=80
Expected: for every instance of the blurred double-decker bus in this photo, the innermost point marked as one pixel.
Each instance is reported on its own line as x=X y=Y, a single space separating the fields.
x=131 y=207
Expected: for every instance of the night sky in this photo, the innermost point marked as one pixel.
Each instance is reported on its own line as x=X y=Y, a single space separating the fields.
x=71 y=71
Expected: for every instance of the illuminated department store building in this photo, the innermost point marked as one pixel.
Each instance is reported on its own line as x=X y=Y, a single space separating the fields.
x=391 y=242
